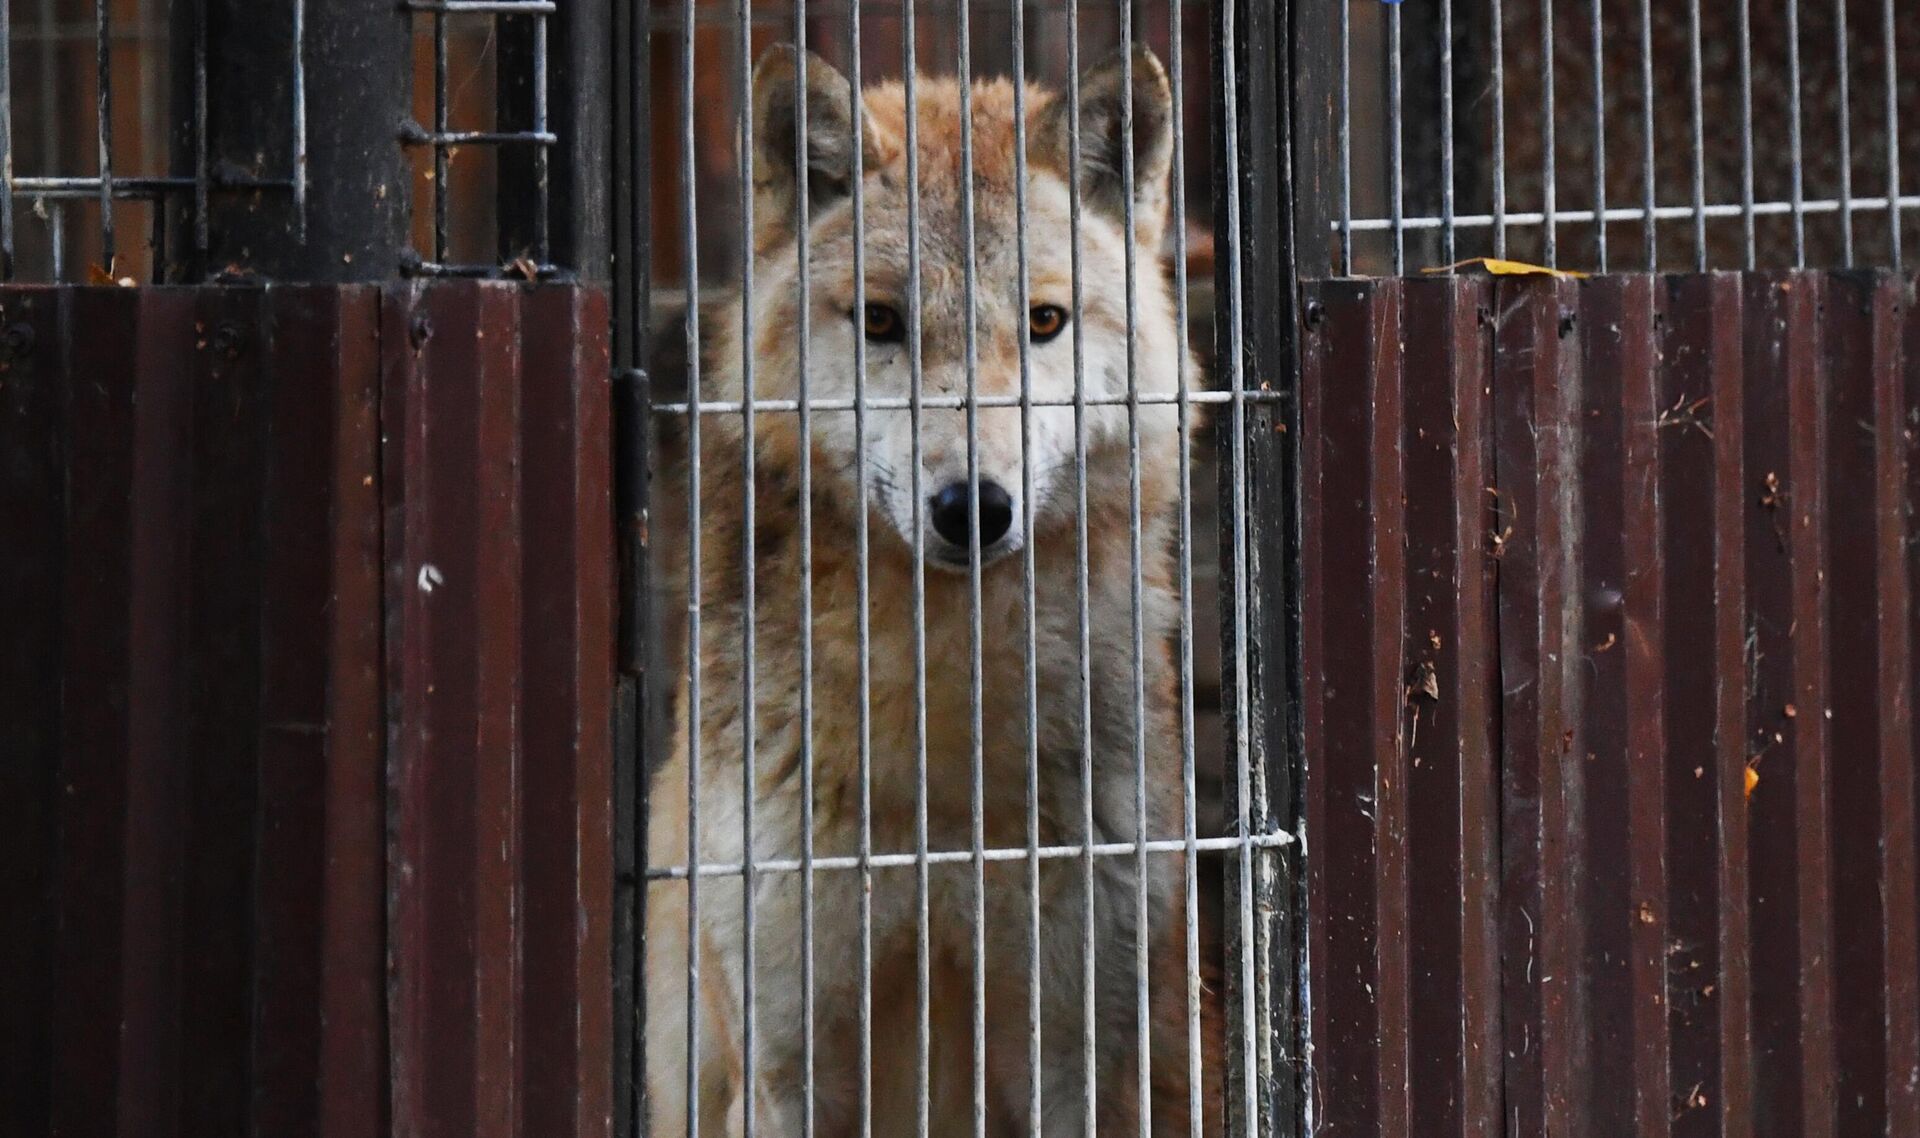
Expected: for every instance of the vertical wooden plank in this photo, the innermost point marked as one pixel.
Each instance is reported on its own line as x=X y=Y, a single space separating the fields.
x=87 y=887
x=1623 y=702
x=118 y=1047
x=1860 y=339
x=453 y=589
x=1452 y=819
x=1702 y=928
x=1390 y=696
x=317 y=1037
x=1733 y=679
x=353 y=1067
x=1353 y=694
x=1896 y=420
x=1536 y=376
x=232 y=397
x=294 y=731
x=33 y=398
x=1646 y=645
x=567 y=652
x=1608 y=1093
x=1787 y=726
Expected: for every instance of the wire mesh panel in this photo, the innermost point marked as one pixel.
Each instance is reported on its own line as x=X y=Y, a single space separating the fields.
x=959 y=823
x=464 y=46
x=1753 y=134
x=103 y=113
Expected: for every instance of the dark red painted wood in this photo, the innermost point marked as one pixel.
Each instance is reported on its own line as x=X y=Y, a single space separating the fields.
x=1792 y=962
x=1733 y=680
x=232 y=394
x=1704 y=497
x=192 y=490
x=567 y=779
x=1536 y=378
x=1861 y=340
x=121 y=1028
x=33 y=396
x=453 y=587
x=1896 y=419
x=1702 y=949
x=498 y=428
x=1355 y=800
x=1453 y=824
x=1621 y=568
x=319 y=1041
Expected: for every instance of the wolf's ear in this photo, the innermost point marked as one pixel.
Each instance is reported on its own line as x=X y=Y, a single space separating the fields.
x=1103 y=105
x=830 y=107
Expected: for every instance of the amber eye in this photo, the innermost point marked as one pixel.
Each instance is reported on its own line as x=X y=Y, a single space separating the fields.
x=884 y=325
x=1045 y=321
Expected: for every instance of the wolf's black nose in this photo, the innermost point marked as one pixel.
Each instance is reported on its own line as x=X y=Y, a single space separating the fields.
x=950 y=513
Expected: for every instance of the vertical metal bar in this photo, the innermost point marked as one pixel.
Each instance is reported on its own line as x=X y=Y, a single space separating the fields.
x=50 y=132
x=1649 y=189
x=1890 y=50
x=749 y=705
x=690 y=246
x=103 y=130
x=299 y=132
x=916 y=390
x=862 y=577
x=1699 y=139
x=202 y=157
x=1084 y=628
x=1142 y=917
x=1343 y=126
x=1396 y=142
x=1236 y=505
x=543 y=152
x=1843 y=113
x=442 y=193
x=976 y=640
x=1796 y=154
x=6 y=142
x=1189 y=822
x=1599 y=43
x=1035 y=1118
x=1497 y=47
x=1448 y=238
x=1549 y=225
x=1743 y=11
x=803 y=343
x=57 y=235
x=639 y=719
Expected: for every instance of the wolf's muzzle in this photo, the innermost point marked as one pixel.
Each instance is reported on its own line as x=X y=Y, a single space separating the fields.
x=953 y=522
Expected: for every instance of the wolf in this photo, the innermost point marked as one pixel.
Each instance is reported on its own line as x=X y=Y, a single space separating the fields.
x=893 y=1029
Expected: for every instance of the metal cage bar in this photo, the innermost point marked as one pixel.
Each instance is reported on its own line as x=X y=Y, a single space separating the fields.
x=761 y=902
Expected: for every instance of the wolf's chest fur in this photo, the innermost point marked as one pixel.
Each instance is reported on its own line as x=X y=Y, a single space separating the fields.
x=1027 y=740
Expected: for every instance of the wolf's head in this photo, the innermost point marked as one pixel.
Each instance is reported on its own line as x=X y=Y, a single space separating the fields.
x=884 y=326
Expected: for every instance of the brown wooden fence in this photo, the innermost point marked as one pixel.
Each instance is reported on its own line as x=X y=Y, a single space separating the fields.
x=305 y=728
x=1609 y=784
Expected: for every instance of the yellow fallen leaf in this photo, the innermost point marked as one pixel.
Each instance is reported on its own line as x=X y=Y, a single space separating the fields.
x=1501 y=268
x=1753 y=780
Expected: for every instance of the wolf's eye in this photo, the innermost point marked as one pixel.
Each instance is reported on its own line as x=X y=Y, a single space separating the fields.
x=1045 y=321
x=883 y=325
